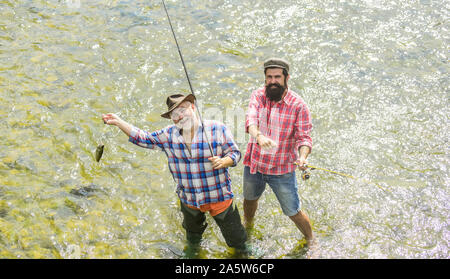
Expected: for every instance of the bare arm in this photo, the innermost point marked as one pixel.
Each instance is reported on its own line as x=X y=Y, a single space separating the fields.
x=112 y=119
x=303 y=154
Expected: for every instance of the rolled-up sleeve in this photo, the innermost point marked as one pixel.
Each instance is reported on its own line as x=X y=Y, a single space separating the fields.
x=303 y=128
x=251 y=117
x=148 y=140
x=229 y=147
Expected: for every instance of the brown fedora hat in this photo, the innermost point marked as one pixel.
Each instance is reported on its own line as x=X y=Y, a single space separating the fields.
x=173 y=101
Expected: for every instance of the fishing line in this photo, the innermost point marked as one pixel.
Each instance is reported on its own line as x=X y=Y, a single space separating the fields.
x=105 y=135
x=400 y=202
x=188 y=79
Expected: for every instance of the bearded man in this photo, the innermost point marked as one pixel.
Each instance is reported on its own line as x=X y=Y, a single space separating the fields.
x=202 y=179
x=279 y=123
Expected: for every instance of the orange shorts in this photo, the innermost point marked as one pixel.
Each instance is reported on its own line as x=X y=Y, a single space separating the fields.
x=213 y=208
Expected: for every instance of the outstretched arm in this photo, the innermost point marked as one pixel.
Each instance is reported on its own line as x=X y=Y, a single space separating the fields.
x=136 y=135
x=112 y=119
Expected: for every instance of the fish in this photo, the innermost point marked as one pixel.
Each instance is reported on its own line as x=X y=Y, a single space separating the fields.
x=99 y=152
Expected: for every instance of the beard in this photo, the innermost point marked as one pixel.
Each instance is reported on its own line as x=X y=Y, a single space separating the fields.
x=185 y=123
x=274 y=91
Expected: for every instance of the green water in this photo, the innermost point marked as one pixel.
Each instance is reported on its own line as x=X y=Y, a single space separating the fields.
x=374 y=74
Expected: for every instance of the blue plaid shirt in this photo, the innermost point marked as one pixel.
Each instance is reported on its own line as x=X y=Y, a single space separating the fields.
x=197 y=182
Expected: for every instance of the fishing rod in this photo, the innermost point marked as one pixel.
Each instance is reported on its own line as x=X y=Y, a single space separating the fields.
x=306 y=175
x=188 y=79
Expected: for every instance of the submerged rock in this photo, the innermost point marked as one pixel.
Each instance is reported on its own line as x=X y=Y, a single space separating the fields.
x=4 y=208
x=86 y=191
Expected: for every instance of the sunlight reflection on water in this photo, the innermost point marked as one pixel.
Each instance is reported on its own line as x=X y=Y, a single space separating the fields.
x=374 y=74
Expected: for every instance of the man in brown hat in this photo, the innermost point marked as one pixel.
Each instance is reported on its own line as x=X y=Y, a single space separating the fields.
x=202 y=178
x=279 y=123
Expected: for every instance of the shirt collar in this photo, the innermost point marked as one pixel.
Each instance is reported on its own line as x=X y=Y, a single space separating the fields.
x=288 y=97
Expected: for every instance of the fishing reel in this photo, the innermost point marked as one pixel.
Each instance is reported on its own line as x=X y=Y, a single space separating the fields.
x=306 y=175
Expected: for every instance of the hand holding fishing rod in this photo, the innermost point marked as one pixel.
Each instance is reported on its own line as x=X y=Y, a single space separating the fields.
x=303 y=154
x=302 y=165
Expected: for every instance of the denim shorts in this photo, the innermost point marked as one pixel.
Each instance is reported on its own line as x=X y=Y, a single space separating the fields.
x=284 y=186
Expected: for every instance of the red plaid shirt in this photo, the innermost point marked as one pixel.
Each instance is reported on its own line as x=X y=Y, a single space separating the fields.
x=287 y=122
